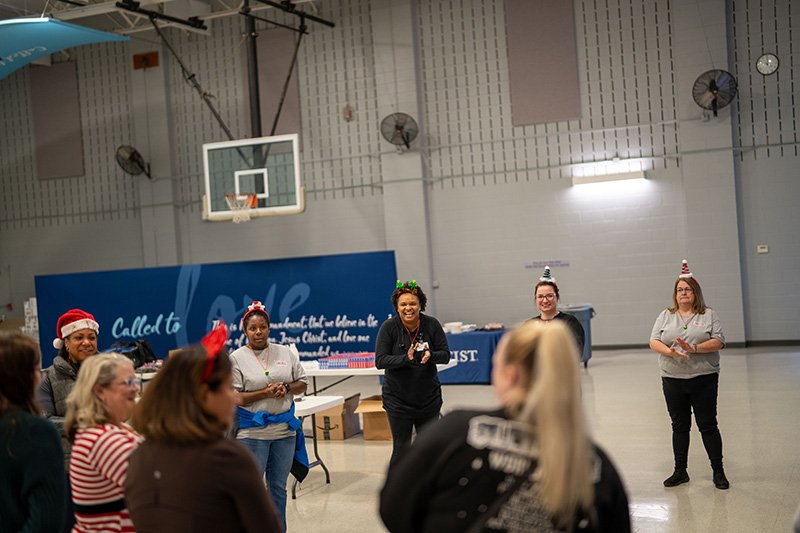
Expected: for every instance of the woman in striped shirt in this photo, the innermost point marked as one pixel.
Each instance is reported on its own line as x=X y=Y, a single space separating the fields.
x=97 y=408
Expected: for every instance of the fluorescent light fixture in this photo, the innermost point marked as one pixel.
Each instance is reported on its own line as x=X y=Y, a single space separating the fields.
x=601 y=178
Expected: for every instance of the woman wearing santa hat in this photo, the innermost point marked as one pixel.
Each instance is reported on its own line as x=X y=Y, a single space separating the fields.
x=76 y=339
x=688 y=337
x=546 y=294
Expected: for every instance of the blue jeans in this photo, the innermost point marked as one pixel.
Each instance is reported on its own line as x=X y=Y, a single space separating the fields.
x=274 y=458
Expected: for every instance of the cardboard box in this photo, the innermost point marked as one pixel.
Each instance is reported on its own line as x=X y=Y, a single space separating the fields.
x=340 y=422
x=376 y=423
x=12 y=324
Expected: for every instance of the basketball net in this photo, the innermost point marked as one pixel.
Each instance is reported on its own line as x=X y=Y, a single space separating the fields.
x=240 y=205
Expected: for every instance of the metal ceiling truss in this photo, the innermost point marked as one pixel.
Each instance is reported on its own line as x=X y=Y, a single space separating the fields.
x=129 y=16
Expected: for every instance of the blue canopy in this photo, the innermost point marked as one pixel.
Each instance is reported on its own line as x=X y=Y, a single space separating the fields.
x=25 y=40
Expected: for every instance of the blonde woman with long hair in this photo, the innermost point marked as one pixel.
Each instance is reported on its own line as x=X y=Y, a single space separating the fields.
x=97 y=408
x=527 y=466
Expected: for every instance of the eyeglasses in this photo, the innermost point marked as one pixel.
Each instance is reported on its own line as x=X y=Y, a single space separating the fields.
x=541 y=297
x=130 y=383
x=681 y=290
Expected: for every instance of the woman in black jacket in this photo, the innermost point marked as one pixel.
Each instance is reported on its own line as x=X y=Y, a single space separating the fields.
x=409 y=346
x=528 y=466
x=546 y=294
x=33 y=490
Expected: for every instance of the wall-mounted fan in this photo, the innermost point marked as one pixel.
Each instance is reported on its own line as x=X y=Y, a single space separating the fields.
x=399 y=129
x=132 y=161
x=714 y=89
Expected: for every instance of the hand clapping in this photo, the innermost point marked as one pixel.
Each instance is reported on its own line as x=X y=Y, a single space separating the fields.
x=425 y=357
x=685 y=349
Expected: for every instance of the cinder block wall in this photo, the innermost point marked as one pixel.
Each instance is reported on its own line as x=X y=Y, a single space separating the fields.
x=499 y=198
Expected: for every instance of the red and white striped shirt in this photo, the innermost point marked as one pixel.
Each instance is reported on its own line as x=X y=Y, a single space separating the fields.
x=97 y=472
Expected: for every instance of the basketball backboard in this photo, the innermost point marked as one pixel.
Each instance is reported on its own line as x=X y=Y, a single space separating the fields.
x=268 y=167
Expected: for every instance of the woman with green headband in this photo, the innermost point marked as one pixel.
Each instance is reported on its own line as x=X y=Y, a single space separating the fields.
x=409 y=346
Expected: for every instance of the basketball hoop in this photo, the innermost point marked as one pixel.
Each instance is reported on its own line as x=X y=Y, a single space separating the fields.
x=241 y=204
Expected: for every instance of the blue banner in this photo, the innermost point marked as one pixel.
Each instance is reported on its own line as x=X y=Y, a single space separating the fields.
x=25 y=40
x=325 y=305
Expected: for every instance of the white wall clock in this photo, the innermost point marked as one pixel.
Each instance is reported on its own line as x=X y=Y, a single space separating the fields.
x=767 y=64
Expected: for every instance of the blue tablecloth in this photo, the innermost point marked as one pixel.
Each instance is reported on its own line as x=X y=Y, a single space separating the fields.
x=473 y=351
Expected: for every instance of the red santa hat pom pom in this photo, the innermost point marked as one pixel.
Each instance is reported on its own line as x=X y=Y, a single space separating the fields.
x=685 y=270
x=546 y=276
x=72 y=321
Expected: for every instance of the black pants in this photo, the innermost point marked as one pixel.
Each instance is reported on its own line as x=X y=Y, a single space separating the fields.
x=699 y=395
x=401 y=432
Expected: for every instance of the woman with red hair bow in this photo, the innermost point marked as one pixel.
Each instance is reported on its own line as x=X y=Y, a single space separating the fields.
x=187 y=476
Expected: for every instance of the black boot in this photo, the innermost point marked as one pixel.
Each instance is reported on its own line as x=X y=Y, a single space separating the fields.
x=678 y=477
x=720 y=481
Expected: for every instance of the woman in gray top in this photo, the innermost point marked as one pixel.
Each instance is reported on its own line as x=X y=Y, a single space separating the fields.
x=267 y=377
x=688 y=337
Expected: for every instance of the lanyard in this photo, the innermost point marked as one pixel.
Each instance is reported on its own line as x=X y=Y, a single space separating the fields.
x=412 y=339
x=264 y=366
x=686 y=322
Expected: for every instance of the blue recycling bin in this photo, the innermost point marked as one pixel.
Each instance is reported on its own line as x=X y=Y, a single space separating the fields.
x=584 y=314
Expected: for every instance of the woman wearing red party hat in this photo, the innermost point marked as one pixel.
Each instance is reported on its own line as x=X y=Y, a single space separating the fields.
x=688 y=337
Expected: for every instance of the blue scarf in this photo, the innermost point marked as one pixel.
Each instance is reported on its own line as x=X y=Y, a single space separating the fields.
x=263 y=418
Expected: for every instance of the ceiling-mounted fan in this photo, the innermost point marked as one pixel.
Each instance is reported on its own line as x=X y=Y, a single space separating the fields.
x=399 y=129
x=714 y=90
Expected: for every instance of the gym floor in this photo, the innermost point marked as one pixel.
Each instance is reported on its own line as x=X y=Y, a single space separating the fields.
x=758 y=398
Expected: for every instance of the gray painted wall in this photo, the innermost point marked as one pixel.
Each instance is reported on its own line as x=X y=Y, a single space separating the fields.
x=499 y=198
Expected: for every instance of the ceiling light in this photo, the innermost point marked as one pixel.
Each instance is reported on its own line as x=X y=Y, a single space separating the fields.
x=601 y=178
